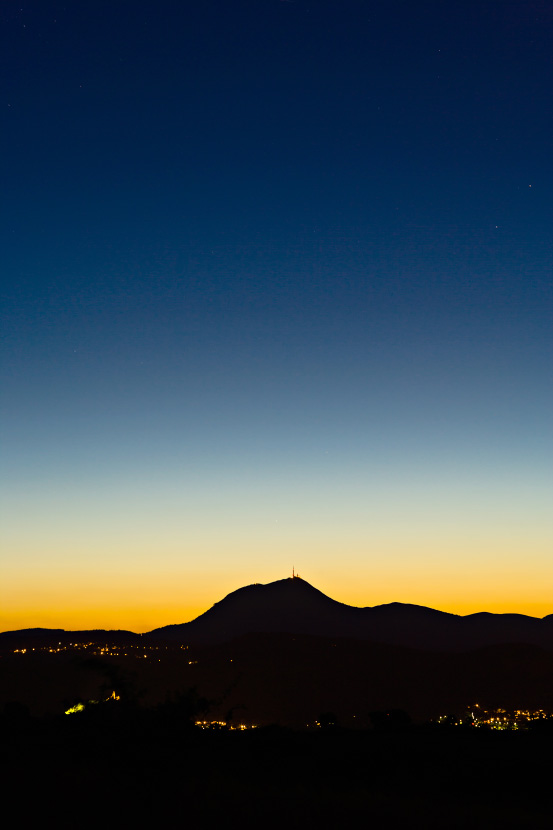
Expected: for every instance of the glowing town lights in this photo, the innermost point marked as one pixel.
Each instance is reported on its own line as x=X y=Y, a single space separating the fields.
x=496 y=718
x=79 y=707
x=222 y=724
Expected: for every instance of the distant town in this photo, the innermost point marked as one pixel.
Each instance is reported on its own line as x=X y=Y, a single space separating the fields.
x=498 y=719
x=475 y=715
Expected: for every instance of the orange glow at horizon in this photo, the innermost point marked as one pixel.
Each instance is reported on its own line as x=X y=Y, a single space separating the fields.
x=116 y=607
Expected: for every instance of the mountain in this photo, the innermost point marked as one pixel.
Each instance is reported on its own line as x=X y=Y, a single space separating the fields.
x=285 y=652
x=294 y=606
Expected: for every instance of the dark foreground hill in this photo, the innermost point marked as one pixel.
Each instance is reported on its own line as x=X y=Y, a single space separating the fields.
x=139 y=762
x=139 y=771
x=294 y=606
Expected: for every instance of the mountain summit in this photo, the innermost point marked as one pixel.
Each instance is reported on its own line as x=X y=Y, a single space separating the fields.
x=294 y=606
x=287 y=605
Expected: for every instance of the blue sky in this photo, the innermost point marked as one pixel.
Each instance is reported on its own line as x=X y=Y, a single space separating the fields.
x=277 y=286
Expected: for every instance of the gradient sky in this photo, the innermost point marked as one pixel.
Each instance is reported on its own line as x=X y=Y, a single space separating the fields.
x=277 y=291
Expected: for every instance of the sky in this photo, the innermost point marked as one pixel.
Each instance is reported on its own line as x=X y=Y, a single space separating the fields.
x=277 y=291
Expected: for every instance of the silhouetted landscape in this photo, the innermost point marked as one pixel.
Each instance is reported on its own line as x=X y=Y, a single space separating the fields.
x=276 y=289
x=284 y=652
x=295 y=606
x=280 y=704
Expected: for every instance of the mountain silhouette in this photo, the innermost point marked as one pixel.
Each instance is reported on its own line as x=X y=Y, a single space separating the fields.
x=285 y=652
x=294 y=606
